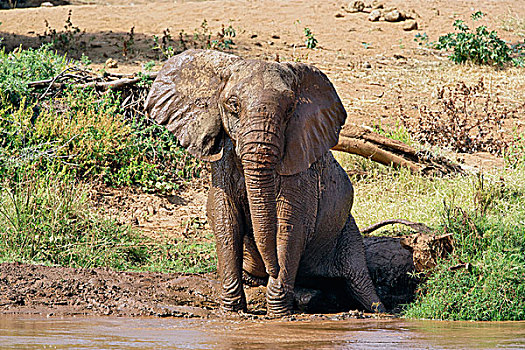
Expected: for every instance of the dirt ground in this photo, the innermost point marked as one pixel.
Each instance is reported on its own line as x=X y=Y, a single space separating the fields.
x=37 y=289
x=372 y=65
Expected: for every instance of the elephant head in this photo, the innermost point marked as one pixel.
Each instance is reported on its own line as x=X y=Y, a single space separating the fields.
x=280 y=117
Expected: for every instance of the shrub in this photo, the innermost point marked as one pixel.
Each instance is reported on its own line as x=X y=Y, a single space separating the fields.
x=82 y=132
x=19 y=67
x=480 y=46
x=470 y=119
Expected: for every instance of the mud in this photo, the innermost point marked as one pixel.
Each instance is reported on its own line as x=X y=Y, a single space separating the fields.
x=47 y=290
x=36 y=289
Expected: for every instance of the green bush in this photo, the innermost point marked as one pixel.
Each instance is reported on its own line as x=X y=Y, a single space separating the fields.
x=81 y=132
x=19 y=67
x=480 y=46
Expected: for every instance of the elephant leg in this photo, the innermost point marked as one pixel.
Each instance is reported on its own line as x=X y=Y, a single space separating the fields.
x=350 y=263
x=226 y=222
x=296 y=212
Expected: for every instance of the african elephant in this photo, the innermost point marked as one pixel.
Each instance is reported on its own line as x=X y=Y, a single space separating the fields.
x=279 y=203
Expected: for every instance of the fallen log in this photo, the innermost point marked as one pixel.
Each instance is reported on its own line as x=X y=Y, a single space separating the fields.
x=366 y=143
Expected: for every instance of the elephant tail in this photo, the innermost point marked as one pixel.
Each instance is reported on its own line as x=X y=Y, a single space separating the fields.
x=419 y=227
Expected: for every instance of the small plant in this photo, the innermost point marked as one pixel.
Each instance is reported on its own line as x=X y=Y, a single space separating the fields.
x=64 y=40
x=311 y=41
x=127 y=44
x=225 y=39
x=480 y=46
x=202 y=36
x=422 y=39
x=163 y=44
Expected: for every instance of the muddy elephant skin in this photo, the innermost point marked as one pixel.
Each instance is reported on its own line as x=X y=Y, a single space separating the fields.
x=279 y=204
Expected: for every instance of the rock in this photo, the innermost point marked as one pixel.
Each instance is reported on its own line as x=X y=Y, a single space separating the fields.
x=377 y=5
x=275 y=36
x=355 y=6
x=367 y=65
x=339 y=15
x=410 y=14
x=47 y=4
x=410 y=25
x=374 y=16
x=392 y=16
x=111 y=63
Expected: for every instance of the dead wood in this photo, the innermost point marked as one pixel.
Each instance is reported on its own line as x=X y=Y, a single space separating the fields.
x=364 y=142
x=416 y=226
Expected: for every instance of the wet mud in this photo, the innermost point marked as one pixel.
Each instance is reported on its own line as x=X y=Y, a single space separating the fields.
x=46 y=290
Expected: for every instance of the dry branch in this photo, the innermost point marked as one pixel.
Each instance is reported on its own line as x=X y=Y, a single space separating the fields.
x=366 y=143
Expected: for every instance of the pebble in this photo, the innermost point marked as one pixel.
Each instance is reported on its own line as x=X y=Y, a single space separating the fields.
x=392 y=16
x=355 y=6
x=111 y=63
x=374 y=16
x=47 y=4
x=377 y=5
x=410 y=25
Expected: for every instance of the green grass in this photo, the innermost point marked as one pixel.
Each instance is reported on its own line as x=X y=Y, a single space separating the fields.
x=493 y=287
x=50 y=220
x=53 y=148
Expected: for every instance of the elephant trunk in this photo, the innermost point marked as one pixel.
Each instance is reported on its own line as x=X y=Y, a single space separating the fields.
x=260 y=150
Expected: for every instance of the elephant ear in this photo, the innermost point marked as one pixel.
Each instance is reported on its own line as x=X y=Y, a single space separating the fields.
x=314 y=126
x=184 y=97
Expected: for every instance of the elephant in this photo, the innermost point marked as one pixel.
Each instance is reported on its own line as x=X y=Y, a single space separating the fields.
x=279 y=203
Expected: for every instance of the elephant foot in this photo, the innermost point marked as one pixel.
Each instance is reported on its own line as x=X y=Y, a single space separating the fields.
x=233 y=298
x=279 y=298
x=233 y=304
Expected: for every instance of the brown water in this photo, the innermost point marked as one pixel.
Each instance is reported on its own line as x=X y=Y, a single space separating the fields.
x=137 y=333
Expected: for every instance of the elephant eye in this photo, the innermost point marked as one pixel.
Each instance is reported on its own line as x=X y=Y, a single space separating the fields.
x=232 y=104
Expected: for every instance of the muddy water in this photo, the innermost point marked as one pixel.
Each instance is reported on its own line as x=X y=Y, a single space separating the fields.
x=136 y=333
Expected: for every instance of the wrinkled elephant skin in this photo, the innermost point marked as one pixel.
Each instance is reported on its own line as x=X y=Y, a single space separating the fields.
x=279 y=204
